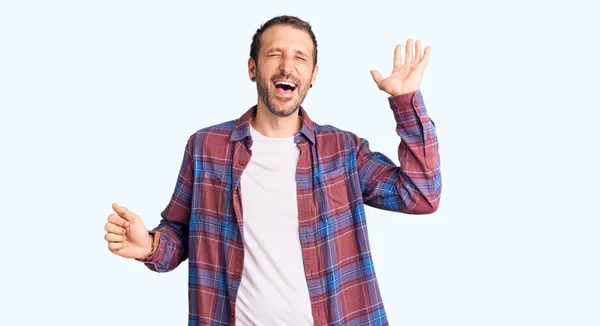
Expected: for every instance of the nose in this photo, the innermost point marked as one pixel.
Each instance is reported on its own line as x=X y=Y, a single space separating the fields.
x=286 y=67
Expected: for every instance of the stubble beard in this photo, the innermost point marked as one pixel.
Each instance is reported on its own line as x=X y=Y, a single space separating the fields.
x=267 y=94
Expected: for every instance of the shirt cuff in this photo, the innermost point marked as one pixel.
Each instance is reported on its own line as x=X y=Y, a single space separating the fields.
x=156 y=247
x=409 y=105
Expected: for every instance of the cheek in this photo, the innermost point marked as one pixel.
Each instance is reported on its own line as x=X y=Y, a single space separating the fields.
x=307 y=80
x=262 y=79
x=307 y=73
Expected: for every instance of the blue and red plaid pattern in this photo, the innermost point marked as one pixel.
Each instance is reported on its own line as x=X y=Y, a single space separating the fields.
x=337 y=174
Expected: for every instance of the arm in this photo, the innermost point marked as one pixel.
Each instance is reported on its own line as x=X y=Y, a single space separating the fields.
x=414 y=187
x=173 y=229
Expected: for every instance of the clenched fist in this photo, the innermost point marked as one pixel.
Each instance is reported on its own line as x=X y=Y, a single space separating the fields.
x=126 y=234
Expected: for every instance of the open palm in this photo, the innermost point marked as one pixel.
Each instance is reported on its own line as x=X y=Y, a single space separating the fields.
x=406 y=77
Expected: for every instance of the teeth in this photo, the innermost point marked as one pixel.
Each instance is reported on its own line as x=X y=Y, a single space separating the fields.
x=286 y=83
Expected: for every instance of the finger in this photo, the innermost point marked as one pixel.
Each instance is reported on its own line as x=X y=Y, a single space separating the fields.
x=123 y=212
x=112 y=246
x=408 y=57
x=418 y=54
x=111 y=237
x=425 y=59
x=398 y=55
x=113 y=228
x=376 y=76
x=118 y=220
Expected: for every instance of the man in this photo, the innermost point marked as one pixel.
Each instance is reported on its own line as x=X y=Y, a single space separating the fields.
x=269 y=207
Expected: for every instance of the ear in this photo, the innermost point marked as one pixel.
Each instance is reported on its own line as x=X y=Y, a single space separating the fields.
x=314 y=75
x=251 y=68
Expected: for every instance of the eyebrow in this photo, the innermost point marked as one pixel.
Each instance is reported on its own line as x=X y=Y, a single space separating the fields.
x=300 y=52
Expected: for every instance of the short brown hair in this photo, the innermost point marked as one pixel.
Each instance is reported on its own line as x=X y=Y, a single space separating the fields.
x=282 y=20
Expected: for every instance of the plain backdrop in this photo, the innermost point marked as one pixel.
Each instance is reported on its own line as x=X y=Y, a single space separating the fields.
x=98 y=98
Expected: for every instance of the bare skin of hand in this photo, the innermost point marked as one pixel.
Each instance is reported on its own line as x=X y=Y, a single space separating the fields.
x=126 y=234
x=406 y=77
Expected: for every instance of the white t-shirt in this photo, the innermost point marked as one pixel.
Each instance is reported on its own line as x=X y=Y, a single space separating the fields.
x=273 y=289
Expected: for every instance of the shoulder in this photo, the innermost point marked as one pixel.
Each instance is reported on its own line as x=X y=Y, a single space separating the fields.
x=330 y=133
x=215 y=134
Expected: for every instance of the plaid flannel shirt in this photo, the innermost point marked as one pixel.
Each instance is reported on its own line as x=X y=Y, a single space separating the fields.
x=337 y=174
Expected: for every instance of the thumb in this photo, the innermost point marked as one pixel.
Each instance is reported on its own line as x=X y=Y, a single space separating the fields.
x=124 y=212
x=376 y=77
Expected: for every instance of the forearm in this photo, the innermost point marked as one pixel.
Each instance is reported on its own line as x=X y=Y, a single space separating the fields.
x=418 y=153
x=171 y=247
x=173 y=228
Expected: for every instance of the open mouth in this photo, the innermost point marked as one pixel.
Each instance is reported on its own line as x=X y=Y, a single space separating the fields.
x=285 y=87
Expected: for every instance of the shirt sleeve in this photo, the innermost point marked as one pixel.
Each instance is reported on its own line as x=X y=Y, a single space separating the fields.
x=414 y=187
x=174 y=226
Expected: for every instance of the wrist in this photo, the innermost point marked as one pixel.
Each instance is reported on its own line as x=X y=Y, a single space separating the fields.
x=151 y=247
x=155 y=237
x=402 y=92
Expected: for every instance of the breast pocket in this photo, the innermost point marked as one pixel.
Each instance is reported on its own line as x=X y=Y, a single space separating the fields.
x=213 y=190
x=335 y=186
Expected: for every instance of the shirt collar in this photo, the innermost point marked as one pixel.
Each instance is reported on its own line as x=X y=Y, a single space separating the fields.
x=242 y=126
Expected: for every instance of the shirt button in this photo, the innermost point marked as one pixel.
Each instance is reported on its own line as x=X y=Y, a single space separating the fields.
x=416 y=103
x=242 y=162
x=428 y=136
x=217 y=181
x=237 y=276
x=232 y=314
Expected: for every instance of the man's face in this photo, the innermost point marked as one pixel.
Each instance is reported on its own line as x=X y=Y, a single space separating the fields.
x=285 y=69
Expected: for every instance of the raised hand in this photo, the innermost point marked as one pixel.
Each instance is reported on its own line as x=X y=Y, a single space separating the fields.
x=126 y=234
x=406 y=77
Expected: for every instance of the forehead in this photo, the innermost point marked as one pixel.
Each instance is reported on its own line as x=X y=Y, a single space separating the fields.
x=287 y=38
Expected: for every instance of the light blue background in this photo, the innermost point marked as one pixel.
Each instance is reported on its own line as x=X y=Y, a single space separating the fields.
x=97 y=100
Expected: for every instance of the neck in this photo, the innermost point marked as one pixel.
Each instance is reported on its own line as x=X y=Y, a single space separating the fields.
x=270 y=125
